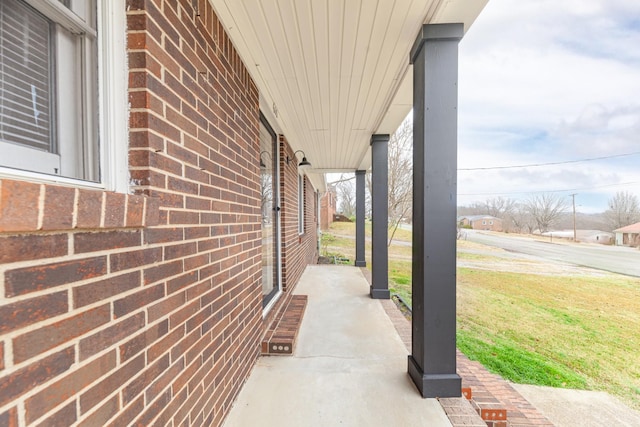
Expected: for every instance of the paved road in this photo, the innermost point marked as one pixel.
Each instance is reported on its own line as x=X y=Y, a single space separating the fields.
x=616 y=259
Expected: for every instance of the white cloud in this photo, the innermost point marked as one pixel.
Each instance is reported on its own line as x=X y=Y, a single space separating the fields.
x=544 y=81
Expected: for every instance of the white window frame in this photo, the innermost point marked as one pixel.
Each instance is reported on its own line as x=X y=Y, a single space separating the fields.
x=300 y=204
x=113 y=108
x=114 y=102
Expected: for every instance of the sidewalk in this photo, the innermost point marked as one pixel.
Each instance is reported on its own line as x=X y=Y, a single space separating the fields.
x=349 y=367
x=592 y=408
x=529 y=405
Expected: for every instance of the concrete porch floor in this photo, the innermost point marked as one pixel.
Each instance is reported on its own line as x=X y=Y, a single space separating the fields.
x=349 y=367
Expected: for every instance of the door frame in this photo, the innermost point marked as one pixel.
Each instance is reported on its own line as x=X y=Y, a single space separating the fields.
x=270 y=299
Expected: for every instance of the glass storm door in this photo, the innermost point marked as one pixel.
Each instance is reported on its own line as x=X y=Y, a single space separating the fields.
x=270 y=212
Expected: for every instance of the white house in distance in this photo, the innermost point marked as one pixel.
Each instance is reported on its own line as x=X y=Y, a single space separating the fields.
x=629 y=235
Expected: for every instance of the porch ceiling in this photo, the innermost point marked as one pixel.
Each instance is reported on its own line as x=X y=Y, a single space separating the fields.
x=333 y=72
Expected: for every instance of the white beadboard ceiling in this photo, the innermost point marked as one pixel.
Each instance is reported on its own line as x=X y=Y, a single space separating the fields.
x=333 y=72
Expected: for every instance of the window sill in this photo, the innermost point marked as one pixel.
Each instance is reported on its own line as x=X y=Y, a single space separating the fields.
x=29 y=207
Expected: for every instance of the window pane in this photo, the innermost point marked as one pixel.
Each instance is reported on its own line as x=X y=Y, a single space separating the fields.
x=270 y=239
x=25 y=76
x=84 y=9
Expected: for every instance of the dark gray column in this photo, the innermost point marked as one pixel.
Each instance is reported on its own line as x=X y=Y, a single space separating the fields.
x=432 y=364
x=360 y=208
x=379 y=216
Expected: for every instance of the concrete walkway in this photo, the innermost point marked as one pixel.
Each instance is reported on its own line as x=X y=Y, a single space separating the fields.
x=349 y=367
x=592 y=408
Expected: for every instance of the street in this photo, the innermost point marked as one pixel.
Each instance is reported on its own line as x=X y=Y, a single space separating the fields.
x=617 y=259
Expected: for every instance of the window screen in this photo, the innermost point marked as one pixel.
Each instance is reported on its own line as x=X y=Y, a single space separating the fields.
x=25 y=76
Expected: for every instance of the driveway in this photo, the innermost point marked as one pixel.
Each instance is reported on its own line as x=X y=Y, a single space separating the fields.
x=616 y=259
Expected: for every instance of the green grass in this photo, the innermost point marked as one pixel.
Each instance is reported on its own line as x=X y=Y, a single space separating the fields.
x=588 y=326
x=501 y=356
x=401 y=235
x=575 y=332
x=400 y=278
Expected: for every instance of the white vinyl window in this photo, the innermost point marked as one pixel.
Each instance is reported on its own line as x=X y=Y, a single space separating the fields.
x=49 y=84
x=300 y=204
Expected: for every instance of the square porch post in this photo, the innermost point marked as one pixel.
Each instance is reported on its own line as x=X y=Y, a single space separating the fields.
x=379 y=216
x=360 y=208
x=432 y=364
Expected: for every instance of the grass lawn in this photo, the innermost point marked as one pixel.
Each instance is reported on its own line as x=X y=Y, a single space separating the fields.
x=563 y=331
x=574 y=332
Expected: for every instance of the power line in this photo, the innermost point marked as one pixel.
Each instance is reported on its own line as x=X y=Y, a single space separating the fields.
x=552 y=163
x=549 y=191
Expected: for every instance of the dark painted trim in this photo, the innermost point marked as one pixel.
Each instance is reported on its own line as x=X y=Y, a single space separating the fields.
x=443 y=32
x=435 y=385
x=360 y=214
x=379 y=216
x=432 y=364
x=266 y=299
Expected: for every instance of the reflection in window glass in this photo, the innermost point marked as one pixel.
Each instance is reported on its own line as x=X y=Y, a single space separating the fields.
x=269 y=214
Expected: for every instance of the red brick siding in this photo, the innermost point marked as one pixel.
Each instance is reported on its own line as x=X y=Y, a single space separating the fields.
x=487 y=224
x=298 y=250
x=302 y=249
x=327 y=209
x=146 y=308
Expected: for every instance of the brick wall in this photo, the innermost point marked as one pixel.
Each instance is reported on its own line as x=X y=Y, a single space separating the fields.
x=143 y=309
x=327 y=208
x=298 y=250
x=146 y=308
x=494 y=224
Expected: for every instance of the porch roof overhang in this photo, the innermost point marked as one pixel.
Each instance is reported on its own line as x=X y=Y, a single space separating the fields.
x=333 y=72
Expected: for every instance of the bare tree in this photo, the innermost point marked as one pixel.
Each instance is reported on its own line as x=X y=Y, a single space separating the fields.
x=346 y=193
x=497 y=207
x=267 y=195
x=624 y=210
x=545 y=209
x=400 y=176
x=475 y=208
x=521 y=219
x=503 y=208
x=500 y=207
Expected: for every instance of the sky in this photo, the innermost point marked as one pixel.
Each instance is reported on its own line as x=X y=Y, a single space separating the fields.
x=549 y=81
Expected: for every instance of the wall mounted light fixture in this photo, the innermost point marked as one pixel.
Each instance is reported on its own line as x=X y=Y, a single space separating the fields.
x=304 y=163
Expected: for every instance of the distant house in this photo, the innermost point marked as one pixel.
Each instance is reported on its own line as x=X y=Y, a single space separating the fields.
x=327 y=207
x=481 y=222
x=629 y=235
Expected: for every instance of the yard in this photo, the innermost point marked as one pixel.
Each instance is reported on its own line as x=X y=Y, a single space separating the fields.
x=530 y=321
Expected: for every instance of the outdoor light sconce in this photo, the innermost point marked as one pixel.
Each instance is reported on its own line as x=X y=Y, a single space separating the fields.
x=263 y=165
x=304 y=163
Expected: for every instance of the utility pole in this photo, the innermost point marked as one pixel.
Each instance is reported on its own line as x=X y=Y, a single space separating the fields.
x=573 y=196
